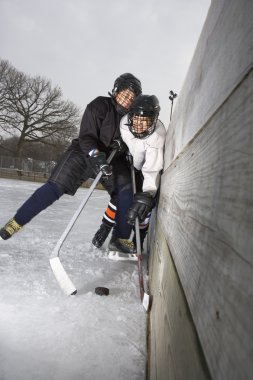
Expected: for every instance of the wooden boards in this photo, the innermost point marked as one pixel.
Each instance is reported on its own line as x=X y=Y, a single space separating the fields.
x=174 y=351
x=206 y=209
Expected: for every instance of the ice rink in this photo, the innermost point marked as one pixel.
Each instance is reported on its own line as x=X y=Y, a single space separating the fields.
x=47 y=335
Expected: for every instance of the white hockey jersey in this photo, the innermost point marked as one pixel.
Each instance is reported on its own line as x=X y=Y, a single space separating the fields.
x=147 y=153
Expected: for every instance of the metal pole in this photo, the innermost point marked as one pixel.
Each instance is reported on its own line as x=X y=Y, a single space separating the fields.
x=172 y=96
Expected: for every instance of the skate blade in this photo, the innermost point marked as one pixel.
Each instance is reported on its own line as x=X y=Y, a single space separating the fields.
x=119 y=256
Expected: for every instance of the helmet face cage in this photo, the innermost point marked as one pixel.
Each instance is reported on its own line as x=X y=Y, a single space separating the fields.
x=143 y=125
x=125 y=98
x=143 y=115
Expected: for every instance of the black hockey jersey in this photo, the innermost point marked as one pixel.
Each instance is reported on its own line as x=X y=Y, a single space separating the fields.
x=99 y=126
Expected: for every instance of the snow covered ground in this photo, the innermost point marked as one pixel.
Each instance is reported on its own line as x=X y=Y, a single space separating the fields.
x=43 y=333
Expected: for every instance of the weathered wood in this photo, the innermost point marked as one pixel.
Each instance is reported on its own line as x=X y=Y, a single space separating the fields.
x=206 y=208
x=174 y=352
x=223 y=56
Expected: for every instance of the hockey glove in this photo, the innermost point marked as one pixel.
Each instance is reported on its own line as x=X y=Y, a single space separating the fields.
x=119 y=145
x=141 y=206
x=98 y=162
x=129 y=158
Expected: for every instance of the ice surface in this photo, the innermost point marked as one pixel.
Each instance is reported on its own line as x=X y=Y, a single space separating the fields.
x=43 y=333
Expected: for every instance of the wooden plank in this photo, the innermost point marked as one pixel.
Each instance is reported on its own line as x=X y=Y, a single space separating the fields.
x=174 y=352
x=223 y=56
x=206 y=208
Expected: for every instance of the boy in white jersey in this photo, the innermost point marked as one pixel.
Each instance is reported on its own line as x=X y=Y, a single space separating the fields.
x=144 y=136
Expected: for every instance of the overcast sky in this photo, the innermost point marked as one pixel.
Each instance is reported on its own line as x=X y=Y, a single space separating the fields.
x=83 y=45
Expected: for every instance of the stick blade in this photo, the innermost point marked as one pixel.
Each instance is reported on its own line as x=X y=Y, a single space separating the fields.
x=61 y=276
x=145 y=301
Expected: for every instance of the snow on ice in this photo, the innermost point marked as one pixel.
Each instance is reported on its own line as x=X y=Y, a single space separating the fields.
x=43 y=333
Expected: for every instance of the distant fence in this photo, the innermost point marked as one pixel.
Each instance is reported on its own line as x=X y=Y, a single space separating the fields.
x=26 y=164
x=23 y=175
x=27 y=169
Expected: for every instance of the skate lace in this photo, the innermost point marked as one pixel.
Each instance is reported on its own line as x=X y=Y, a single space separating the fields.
x=127 y=243
x=12 y=226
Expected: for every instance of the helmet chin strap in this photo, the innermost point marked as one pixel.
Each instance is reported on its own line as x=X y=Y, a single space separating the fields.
x=121 y=110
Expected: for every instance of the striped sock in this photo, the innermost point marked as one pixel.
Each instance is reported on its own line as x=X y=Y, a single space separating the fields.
x=110 y=214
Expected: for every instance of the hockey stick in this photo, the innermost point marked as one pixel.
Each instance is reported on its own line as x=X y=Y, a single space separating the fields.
x=143 y=295
x=60 y=274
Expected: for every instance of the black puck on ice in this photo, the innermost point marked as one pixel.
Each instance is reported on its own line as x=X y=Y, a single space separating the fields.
x=101 y=291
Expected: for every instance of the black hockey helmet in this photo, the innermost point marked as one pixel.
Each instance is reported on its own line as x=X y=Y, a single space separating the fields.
x=127 y=81
x=143 y=115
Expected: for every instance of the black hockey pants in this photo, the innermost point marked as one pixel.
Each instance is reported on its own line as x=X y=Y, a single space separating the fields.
x=68 y=175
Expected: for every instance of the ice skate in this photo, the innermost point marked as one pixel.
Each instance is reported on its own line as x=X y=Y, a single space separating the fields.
x=101 y=235
x=122 y=249
x=9 y=229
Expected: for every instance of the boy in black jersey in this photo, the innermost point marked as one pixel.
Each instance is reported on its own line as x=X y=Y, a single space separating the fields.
x=86 y=156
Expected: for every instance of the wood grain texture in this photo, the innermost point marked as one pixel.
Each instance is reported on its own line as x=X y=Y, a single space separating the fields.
x=174 y=352
x=224 y=54
x=206 y=208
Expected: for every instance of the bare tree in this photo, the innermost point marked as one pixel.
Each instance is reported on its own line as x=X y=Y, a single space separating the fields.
x=32 y=110
x=4 y=68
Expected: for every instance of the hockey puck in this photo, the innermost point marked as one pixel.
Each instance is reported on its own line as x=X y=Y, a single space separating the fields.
x=101 y=291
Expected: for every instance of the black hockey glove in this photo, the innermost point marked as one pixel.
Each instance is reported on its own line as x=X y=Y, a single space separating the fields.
x=142 y=205
x=129 y=158
x=98 y=162
x=119 y=145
